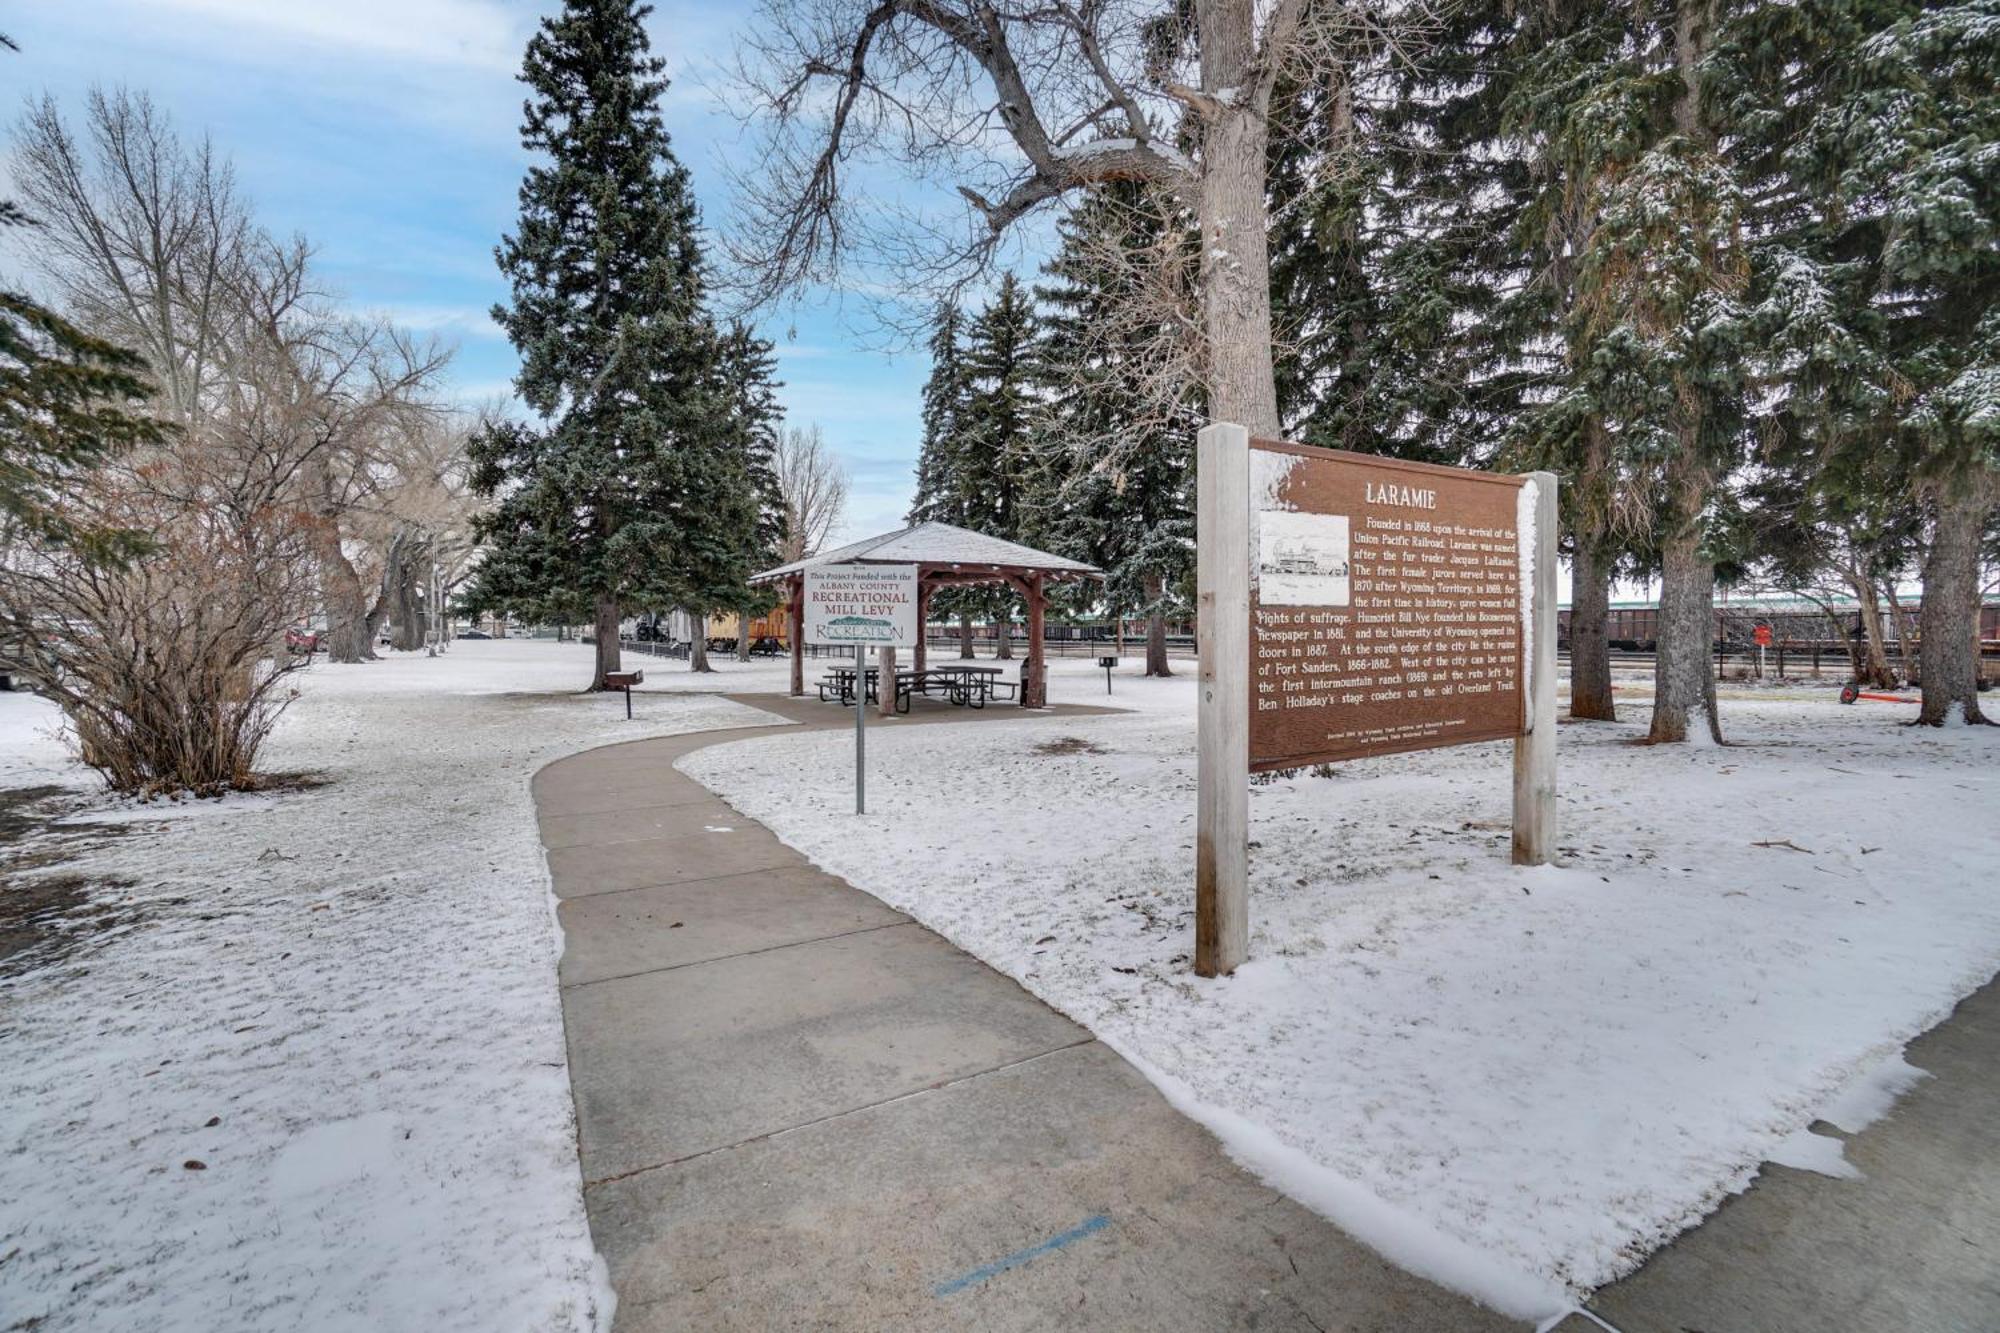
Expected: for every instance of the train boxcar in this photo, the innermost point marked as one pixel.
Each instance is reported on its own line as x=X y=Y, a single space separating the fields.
x=1796 y=624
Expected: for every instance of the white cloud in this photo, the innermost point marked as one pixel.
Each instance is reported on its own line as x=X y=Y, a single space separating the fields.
x=481 y=33
x=450 y=321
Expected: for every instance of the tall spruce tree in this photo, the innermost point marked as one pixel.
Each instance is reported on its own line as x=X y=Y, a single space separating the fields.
x=992 y=467
x=977 y=460
x=750 y=380
x=1636 y=199
x=1117 y=468
x=937 y=500
x=943 y=406
x=629 y=488
x=1866 y=130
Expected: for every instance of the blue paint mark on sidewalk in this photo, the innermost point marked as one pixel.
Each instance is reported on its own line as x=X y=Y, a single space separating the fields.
x=1089 y=1226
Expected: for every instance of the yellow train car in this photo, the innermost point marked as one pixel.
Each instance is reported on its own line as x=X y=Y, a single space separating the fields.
x=772 y=627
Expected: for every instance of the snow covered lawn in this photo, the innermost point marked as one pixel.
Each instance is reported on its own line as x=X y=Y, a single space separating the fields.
x=316 y=1078
x=1517 y=1081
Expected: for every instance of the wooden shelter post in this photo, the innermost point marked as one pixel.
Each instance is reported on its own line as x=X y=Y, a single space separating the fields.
x=885 y=679
x=1034 y=673
x=923 y=619
x=796 y=630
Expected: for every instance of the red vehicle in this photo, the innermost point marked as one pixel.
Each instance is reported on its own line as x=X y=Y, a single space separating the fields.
x=302 y=640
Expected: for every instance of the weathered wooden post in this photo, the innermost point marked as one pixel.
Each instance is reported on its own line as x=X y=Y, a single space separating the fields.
x=885 y=678
x=1535 y=752
x=1222 y=727
x=1035 y=670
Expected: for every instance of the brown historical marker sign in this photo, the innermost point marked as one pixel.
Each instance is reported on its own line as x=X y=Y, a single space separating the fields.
x=1386 y=606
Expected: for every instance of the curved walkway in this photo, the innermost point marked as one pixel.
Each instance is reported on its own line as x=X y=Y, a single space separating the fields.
x=797 y=1108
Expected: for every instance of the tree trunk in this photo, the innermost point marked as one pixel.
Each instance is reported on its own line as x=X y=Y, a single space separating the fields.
x=1906 y=634
x=885 y=680
x=1035 y=670
x=743 y=634
x=1590 y=696
x=1872 y=654
x=1003 y=630
x=347 y=630
x=1950 y=614
x=697 y=642
x=410 y=617
x=608 y=658
x=965 y=636
x=1156 y=629
x=1235 y=256
x=1683 y=683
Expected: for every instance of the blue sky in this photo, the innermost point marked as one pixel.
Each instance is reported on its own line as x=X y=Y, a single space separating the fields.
x=386 y=132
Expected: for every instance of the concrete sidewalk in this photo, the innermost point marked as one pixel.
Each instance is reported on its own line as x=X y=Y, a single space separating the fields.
x=799 y=1109
x=1911 y=1245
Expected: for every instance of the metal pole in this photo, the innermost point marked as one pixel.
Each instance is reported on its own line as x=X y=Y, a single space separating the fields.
x=860 y=728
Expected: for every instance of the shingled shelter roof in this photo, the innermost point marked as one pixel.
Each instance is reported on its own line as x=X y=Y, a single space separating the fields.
x=941 y=546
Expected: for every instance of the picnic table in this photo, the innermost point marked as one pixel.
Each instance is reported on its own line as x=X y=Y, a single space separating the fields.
x=965 y=685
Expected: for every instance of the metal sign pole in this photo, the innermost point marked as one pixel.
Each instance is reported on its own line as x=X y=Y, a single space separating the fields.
x=860 y=728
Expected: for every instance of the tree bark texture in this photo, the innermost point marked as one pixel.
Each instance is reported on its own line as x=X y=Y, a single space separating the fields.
x=698 y=642
x=1156 y=631
x=1873 y=650
x=608 y=658
x=1590 y=696
x=1235 y=261
x=1683 y=682
x=1949 y=619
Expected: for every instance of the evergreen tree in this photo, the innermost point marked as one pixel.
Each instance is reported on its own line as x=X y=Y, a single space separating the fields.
x=749 y=370
x=1117 y=470
x=1388 y=221
x=68 y=402
x=630 y=487
x=992 y=465
x=943 y=405
x=1638 y=218
x=977 y=461
x=937 y=500
x=1867 y=132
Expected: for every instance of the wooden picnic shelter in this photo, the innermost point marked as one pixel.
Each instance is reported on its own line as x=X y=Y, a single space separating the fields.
x=946 y=557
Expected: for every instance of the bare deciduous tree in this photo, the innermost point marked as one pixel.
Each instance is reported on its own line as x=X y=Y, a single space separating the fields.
x=1021 y=102
x=280 y=397
x=814 y=488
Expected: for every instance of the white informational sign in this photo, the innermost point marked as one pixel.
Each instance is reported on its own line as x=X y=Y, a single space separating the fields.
x=871 y=605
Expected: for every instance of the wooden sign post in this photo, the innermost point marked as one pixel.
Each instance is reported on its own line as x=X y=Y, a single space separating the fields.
x=1352 y=606
x=1222 y=721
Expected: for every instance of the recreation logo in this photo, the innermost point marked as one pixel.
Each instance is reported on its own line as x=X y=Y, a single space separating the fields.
x=861 y=629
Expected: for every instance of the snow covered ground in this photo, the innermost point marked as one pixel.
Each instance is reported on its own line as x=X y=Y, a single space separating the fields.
x=315 y=1077
x=1518 y=1081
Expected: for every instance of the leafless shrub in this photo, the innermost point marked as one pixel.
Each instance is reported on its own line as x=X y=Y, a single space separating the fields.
x=170 y=670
